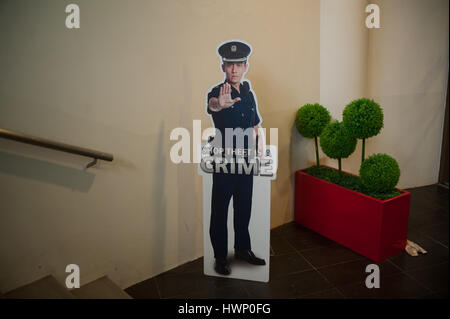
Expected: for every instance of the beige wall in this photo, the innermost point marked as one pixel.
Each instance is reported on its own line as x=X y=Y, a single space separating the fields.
x=343 y=64
x=408 y=70
x=403 y=66
x=133 y=72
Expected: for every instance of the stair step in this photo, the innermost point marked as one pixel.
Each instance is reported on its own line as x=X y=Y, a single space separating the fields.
x=44 y=288
x=102 y=288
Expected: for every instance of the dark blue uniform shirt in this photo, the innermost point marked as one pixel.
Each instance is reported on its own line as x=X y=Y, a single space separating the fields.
x=242 y=114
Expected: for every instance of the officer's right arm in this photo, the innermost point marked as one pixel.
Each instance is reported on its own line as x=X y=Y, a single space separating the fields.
x=213 y=104
x=224 y=100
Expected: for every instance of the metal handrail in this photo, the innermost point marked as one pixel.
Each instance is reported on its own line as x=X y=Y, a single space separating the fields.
x=29 y=139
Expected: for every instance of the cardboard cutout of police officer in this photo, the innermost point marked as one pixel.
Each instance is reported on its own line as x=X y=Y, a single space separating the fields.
x=232 y=105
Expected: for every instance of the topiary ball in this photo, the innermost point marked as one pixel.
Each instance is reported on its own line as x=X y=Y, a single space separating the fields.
x=336 y=142
x=379 y=173
x=311 y=119
x=363 y=118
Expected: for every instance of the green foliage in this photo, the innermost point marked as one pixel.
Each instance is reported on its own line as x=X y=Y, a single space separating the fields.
x=348 y=181
x=379 y=173
x=311 y=119
x=336 y=141
x=363 y=118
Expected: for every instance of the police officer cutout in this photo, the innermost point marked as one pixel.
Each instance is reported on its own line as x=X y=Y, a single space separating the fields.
x=232 y=105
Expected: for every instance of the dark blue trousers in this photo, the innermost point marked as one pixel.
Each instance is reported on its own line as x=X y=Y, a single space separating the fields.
x=240 y=188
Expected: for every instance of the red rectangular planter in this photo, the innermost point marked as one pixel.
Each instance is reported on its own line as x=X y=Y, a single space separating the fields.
x=371 y=227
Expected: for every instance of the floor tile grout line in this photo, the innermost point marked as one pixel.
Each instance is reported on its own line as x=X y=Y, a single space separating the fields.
x=318 y=292
x=442 y=185
x=425 y=226
x=419 y=283
x=157 y=287
x=334 y=285
x=229 y=283
x=307 y=249
x=435 y=240
x=417 y=268
x=293 y=273
x=292 y=246
x=342 y=262
x=320 y=274
x=285 y=254
x=289 y=243
x=400 y=271
x=247 y=292
x=427 y=267
x=404 y=272
x=321 y=267
x=391 y=275
x=340 y=291
x=356 y=282
x=417 y=224
x=313 y=248
x=395 y=265
x=316 y=247
x=330 y=265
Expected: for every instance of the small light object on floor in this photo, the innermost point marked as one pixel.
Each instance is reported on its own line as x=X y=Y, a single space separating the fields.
x=413 y=249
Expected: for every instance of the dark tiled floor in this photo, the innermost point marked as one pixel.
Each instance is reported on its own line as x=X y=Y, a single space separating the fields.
x=306 y=265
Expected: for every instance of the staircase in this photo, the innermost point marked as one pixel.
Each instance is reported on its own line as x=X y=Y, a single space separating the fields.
x=49 y=288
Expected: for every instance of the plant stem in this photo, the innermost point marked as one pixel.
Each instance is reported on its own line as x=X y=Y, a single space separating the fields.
x=317 y=151
x=363 y=149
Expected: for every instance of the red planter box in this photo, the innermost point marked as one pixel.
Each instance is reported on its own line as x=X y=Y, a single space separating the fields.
x=371 y=227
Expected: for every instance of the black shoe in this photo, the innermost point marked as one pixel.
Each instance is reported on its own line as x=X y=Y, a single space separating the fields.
x=222 y=267
x=249 y=257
